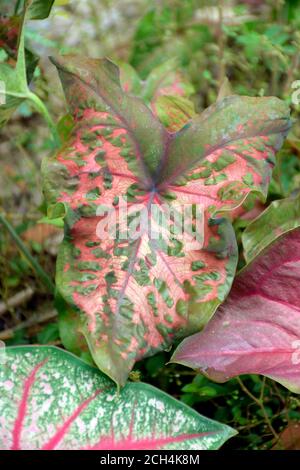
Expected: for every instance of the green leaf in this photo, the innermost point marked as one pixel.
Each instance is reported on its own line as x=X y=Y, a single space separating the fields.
x=280 y=217
x=57 y=222
x=51 y=400
x=71 y=330
x=40 y=9
x=37 y=9
x=16 y=78
x=48 y=334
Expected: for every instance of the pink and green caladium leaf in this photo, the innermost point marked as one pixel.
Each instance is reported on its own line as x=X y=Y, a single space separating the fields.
x=164 y=80
x=165 y=90
x=173 y=111
x=51 y=400
x=257 y=329
x=135 y=296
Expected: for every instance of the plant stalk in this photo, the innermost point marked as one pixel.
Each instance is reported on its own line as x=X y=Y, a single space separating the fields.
x=41 y=108
x=47 y=281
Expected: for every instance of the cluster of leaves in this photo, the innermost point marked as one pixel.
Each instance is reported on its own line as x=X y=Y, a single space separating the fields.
x=18 y=63
x=257 y=51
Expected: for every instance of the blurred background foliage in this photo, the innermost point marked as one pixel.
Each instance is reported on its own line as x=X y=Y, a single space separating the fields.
x=256 y=44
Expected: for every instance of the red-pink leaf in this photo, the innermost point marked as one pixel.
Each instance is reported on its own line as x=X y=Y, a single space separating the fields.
x=257 y=329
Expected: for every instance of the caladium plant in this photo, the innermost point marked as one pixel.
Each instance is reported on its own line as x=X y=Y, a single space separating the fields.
x=134 y=297
x=17 y=69
x=51 y=400
x=257 y=329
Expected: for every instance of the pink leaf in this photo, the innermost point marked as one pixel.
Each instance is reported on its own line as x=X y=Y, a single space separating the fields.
x=257 y=329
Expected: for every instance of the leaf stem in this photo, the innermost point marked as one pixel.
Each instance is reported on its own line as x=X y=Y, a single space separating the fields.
x=47 y=281
x=260 y=404
x=221 y=44
x=41 y=108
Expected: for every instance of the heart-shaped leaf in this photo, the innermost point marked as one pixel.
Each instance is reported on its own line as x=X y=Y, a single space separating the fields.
x=51 y=400
x=137 y=294
x=257 y=329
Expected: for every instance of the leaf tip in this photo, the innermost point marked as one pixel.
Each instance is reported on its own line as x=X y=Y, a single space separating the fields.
x=225 y=90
